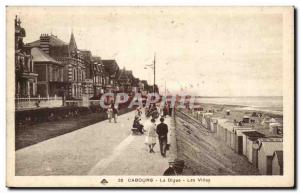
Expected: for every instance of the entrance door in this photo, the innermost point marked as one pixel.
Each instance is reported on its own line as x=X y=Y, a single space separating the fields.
x=255 y=157
x=31 y=89
x=269 y=165
x=240 y=145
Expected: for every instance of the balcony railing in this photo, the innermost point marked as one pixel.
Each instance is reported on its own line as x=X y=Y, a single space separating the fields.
x=35 y=102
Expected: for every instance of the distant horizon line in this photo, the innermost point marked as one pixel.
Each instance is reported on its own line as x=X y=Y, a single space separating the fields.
x=233 y=96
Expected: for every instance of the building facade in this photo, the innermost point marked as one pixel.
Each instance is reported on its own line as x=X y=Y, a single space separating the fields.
x=50 y=74
x=98 y=76
x=110 y=74
x=57 y=68
x=25 y=78
x=72 y=60
x=125 y=80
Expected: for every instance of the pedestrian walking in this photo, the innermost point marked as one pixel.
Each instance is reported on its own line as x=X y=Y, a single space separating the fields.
x=151 y=136
x=170 y=110
x=109 y=114
x=158 y=110
x=138 y=111
x=114 y=112
x=162 y=132
x=165 y=110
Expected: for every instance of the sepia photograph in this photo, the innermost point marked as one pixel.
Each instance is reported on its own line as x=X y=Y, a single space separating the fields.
x=150 y=96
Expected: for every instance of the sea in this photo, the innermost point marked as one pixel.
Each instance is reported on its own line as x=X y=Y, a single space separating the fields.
x=272 y=104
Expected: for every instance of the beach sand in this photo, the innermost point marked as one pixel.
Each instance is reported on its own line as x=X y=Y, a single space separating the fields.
x=238 y=112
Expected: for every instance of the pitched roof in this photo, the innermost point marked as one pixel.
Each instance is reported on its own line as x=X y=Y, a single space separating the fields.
x=240 y=132
x=87 y=55
x=241 y=128
x=72 y=44
x=275 y=125
x=226 y=125
x=270 y=147
x=40 y=56
x=144 y=81
x=272 y=139
x=253 y=134
x=60 y=51
x=279 y=155
x=53 y=41
x=125 y=74
x=253 y=138
x=110 y=66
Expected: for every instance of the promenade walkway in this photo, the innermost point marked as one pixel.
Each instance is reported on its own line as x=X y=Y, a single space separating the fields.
x=100 y=149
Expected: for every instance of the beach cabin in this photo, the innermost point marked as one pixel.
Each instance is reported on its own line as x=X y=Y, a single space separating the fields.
x=227 y=130
x=267 y=121
x=199 y=115
x=254 y=114
x=275 y=128
x=230 y=135
x=214 y=125
x=206 y=120
x=239 y=140
x=211 y=110
x=267 y=147
x=246 y=119
x=255 y=148
x=228 y=112
x=220 y=129
x=272 y=120
x=249 y=137
x=277 y=163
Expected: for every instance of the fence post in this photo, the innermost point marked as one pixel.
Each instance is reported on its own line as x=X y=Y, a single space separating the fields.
x=17 y=103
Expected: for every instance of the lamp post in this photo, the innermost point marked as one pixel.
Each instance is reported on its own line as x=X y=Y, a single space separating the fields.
x=153 y=66
x=154 y=73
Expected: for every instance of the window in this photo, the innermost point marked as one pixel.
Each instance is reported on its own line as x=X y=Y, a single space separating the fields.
x=41 y=71
x=74 y=73
x=50 y=72
x=31 y=66
x=61 y=75
x=79 y=75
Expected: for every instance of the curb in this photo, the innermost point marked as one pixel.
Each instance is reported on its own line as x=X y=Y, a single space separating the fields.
x=173 y=143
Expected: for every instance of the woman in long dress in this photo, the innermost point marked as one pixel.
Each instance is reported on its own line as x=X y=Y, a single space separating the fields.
x=109 y=113
x=151 y=136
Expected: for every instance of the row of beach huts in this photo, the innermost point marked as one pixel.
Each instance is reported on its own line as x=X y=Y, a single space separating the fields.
x=265 y=152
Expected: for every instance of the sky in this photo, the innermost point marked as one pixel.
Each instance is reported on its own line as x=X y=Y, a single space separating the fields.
x=207 y=52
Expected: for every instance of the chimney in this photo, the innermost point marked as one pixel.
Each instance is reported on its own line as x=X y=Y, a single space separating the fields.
x=45 y=43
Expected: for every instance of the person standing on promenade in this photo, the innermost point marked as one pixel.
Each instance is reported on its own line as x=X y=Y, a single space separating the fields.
x=138 y=111
x=109 y=113
x=162 y=132
x=114 y=112
x=165 y=110
x=158 y=110
x=151 y=136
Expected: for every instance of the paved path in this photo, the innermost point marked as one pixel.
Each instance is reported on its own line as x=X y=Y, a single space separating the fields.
x=100 y=149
